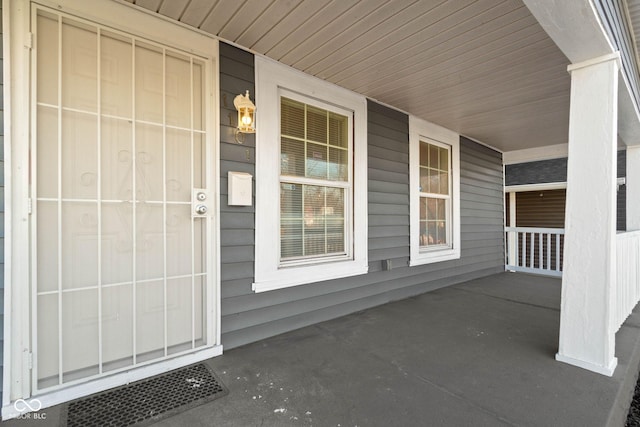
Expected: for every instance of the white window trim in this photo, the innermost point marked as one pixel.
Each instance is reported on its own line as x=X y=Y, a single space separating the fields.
x=421 y=129
x=271 y=78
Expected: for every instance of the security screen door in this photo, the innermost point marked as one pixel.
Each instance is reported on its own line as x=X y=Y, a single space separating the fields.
x=121 y=263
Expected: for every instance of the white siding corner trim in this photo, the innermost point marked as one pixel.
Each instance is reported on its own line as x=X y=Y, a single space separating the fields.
x=422 y=130
x=271 y=79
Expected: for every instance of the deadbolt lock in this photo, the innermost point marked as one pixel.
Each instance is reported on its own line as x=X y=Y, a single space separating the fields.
x=200 y=202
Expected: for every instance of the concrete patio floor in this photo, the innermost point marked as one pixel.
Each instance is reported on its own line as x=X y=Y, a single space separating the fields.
x=479 y=353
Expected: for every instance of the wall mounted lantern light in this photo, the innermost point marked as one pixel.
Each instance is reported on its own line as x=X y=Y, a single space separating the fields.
x=246 y=114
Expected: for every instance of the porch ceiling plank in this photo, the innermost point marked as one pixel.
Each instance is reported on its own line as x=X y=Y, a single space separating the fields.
x=396 y=29
x=490 y=99
x=532 y=130
x=495 y=103
x=470 y=47
x=223 y=13
x=293 y=18
x=173 y=9
x=530 y=85
x=488 y=71
x=535 y=133
x=329 y=14
x=422 y=31
x=152 y=5
x=196 y=12
x=270 y=17
x=509 y=133
x=550 y=132
x=514 y=112
x=518 y=118
x=247 y=13
x=366 y=37
x=343 y=30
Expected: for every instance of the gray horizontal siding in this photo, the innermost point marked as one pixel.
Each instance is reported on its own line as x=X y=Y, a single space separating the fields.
x=482 y=221
x=236 y=222
x=388 y=180
x=247 y=316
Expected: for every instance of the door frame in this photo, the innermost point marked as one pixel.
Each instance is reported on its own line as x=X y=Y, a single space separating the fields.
x=18 y=74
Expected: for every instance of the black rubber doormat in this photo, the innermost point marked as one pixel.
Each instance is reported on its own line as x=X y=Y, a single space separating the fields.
x=146 y=401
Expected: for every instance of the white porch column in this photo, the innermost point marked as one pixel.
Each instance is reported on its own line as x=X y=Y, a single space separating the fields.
x=586 y=338
x=633 y=187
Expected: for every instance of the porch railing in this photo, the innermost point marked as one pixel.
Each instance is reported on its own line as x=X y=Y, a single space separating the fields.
x=627 y=289
x=535 y=250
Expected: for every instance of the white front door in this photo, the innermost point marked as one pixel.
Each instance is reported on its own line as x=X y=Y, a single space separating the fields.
x=122 y=265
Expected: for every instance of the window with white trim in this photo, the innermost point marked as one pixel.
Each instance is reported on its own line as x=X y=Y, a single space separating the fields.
x=435 y=195
x=311 y=172
x=435 y=188
x=315 y=177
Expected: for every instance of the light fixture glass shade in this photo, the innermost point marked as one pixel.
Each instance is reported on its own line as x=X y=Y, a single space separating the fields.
x=246 y=113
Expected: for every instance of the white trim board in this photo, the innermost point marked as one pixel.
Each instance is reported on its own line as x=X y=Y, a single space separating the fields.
x=534 y=154
x=16 y=145
x=535 y=187
x=7 y=42
x=546 y=186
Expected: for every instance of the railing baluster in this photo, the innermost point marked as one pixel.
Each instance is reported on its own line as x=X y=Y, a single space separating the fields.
x=627 y=286
x=517 y=255
x=558 y=267
x=532 y=250
x=540 y=253
x=522 y=246
x=549 y=251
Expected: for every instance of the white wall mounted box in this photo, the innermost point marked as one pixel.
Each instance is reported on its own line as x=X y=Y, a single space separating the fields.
x=240 y=190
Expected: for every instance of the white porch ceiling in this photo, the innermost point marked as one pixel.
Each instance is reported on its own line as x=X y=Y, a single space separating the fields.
x=484 y=68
